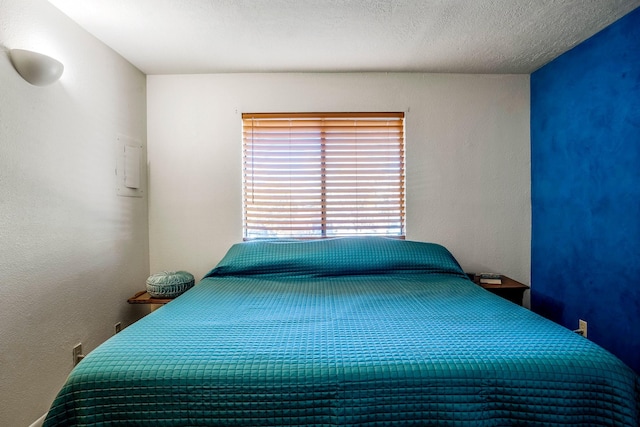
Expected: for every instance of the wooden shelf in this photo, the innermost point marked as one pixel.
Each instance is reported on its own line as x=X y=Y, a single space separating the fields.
x=143 y=297
x=509 y=289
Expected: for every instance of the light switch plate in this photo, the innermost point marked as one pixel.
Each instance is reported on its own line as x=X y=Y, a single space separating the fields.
x=130 y=167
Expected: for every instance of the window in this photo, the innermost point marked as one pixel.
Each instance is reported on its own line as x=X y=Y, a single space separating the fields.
x=317 y=175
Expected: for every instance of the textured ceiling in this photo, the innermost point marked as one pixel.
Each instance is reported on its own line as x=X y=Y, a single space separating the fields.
x=460 y=36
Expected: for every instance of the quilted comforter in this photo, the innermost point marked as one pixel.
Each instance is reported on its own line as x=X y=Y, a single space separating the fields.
x=346 y=332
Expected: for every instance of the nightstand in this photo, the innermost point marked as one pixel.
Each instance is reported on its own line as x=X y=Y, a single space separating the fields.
x=143 y=297
x=509 y=289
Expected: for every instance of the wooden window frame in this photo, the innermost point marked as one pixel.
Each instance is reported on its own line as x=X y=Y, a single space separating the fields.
x=331 y=135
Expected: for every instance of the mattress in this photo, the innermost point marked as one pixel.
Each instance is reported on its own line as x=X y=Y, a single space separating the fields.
x=347 y=332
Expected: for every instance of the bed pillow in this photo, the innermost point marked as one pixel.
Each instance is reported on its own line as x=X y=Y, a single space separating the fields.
x=336 y=257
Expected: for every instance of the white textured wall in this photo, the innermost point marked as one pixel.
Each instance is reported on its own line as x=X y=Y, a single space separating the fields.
x=71 y=251
x=468 y=161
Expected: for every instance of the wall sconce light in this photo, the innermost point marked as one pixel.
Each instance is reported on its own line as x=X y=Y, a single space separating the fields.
x=36 y=68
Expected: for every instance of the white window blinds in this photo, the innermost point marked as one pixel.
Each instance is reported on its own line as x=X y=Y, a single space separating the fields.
x=318 y=175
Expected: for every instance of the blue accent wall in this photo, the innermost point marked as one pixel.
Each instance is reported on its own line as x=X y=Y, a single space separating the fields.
x=585 y=178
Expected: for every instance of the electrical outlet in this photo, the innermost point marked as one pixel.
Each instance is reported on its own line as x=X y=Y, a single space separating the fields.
x=117 y=327
x=582 y=327
x=77 y=354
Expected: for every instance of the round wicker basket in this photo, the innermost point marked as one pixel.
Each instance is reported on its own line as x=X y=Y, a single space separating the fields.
x=169 y=284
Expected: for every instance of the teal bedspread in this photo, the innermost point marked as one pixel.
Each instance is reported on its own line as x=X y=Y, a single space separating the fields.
x=348 y=332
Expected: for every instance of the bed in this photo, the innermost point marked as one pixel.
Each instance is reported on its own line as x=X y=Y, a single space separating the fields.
x=345 y=332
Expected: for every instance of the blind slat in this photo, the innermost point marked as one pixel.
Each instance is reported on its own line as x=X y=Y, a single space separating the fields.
x=315 y=226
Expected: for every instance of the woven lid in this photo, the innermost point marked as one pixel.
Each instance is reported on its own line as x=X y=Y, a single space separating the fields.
x=170 y=278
